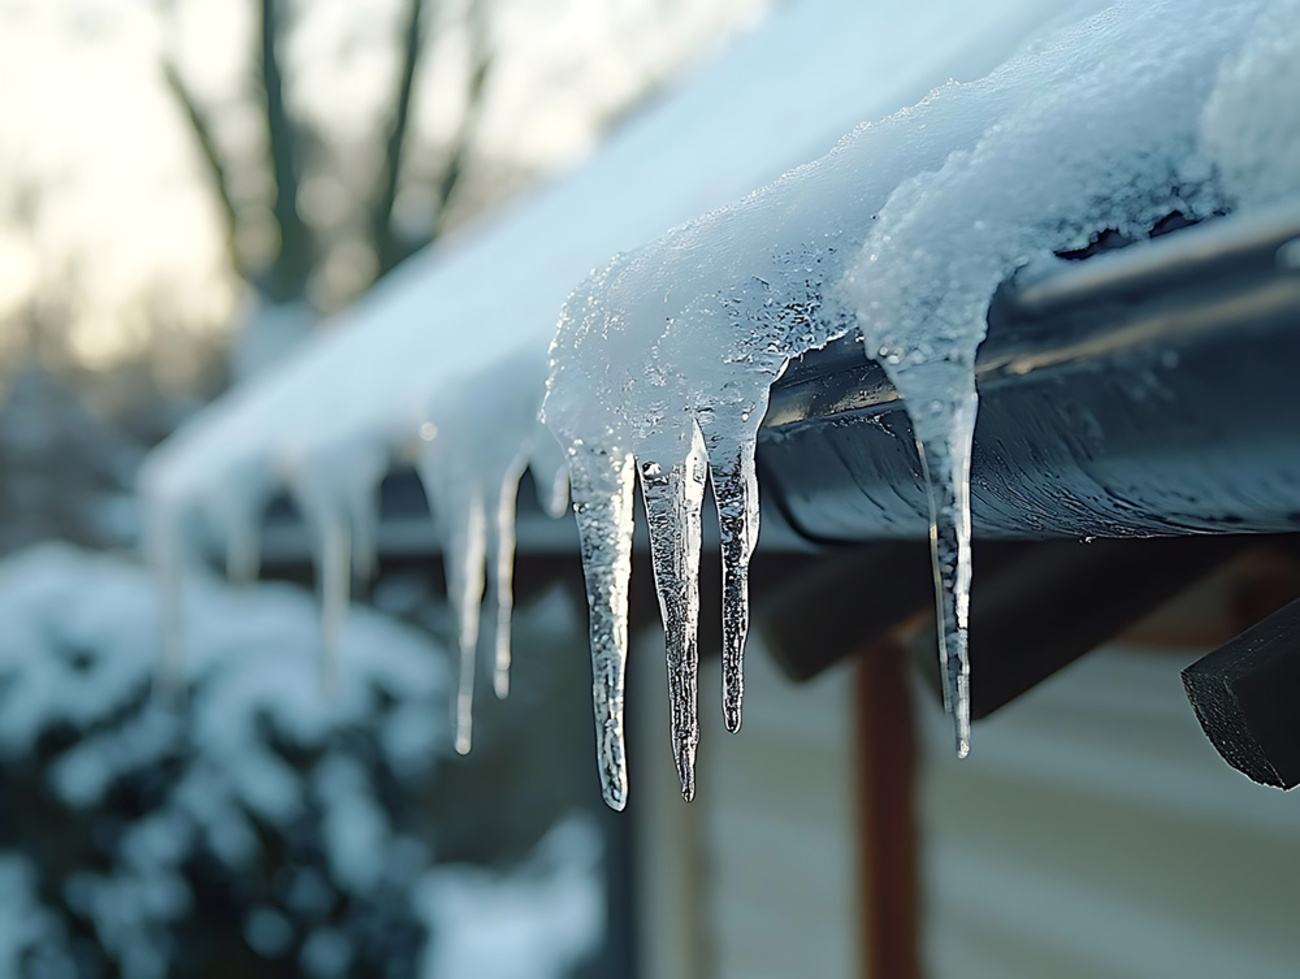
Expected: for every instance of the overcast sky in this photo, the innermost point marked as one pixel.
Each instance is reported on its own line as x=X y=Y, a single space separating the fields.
x=86 y=120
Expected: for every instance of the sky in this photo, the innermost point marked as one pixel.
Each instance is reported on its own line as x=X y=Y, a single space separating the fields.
x=124 y=220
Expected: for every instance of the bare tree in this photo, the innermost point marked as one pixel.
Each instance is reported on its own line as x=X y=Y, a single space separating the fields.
x=285 y=276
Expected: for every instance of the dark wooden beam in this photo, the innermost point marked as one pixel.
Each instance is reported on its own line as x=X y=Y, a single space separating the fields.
x=890 y=888
x=1244 y=695
x=1060 y=600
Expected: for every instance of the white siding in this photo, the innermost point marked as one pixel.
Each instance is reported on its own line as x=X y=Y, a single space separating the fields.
x=1093 y=832
x=758 y=877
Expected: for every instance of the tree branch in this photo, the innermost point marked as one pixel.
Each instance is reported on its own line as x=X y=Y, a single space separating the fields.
x=211 y=156
x=291 y=270
x=480 y=66
x=388 y=247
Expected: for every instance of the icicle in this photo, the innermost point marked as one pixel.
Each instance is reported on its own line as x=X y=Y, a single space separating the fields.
x=500 y=575
x=365 y=473
x=334 y=569
x=458 y=509
x=326 y=517
x=243 y=543
x=731 y=439
x=945 y=430
x=550 y=471
x=601 y=483
x=673 y=490
x=163 y=552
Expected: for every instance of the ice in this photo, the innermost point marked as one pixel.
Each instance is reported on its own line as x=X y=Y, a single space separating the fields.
x=903 y=230
x=601 y=480
x=673 y=490
x=473 y=447
x=336 y=492
x=1107 y=142
x=1250 y=128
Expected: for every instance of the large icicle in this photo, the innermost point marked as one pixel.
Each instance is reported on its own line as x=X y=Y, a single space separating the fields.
x=164 y=552
x=601 y=483
x=672 y=485
x=945 y=432
x=730 y=442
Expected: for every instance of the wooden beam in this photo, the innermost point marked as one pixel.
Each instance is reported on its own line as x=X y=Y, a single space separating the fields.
x=890 y=889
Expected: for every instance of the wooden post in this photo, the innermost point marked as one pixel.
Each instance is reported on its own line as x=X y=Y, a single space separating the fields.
x=888 y=837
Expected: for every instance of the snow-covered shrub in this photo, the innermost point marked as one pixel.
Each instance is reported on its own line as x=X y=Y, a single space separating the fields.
x=259 y=826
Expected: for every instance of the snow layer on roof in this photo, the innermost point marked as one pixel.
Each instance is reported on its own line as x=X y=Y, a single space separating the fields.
x=1251 y=128
x=394 y=373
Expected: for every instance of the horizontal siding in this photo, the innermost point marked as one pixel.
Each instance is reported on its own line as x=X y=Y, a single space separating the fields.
x=1093 y=832
x=773 y=876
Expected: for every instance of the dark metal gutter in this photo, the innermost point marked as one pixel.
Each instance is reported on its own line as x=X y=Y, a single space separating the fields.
x=1152 y=390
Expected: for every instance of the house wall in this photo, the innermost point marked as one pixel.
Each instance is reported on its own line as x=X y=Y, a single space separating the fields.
x=1093 y=833
x=758 y=877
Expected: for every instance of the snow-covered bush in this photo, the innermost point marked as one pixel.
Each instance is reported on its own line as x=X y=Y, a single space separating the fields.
x=258 y=826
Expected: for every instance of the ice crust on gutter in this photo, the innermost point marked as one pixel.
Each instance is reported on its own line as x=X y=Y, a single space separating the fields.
x=662 y=363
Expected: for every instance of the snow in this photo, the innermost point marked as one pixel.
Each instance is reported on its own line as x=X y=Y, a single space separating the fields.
x=23 y=922
x=466 y=317
x=1250 y=129
x=78 y=648
x=539 y=922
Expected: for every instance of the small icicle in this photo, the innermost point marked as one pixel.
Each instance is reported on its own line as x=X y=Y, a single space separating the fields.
x=237 y=514
x=335 y=575
x=362 y=497
x=163 y=551
x=674 y=497
x=550 y=471
x=500 y=576
x=945 y=430
x=464 y=553
x=243 y=548
x=601 y=483
x=731 y=440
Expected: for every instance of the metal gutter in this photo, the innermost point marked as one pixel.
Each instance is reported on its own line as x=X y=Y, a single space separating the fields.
x=1146 y=391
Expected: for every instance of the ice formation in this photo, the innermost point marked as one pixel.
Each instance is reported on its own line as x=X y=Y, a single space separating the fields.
x=470 y=461
x=663 y=360
x=470 y=442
